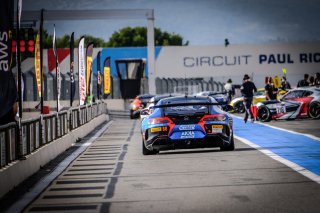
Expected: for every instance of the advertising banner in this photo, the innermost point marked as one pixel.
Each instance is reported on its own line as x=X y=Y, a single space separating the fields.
x=99 y=77
x=8 y=89
x=82 y=72
x=106 y=77
x=37 y=64
x=58 y=77
x=89 y=70
x=72 y=82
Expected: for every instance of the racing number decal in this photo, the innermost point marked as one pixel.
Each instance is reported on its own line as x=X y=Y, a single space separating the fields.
x=281 y=108
x=187 y=134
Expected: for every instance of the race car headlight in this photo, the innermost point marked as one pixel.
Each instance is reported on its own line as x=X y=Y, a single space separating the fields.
x=162 y=120
x=214 y=117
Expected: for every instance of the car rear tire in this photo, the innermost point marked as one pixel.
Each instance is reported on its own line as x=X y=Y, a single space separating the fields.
x=228 y=147
x=264 y=114
x=314 y=110
x=146 y=151
x=239 y=107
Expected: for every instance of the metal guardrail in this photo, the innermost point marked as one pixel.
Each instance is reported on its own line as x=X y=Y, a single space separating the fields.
x=18 y=141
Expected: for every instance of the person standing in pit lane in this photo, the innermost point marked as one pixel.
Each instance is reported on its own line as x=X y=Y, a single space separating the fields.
x=317 y=79
x=304 y=82
x=270 y=90
x=247 y=90
x=230 y=90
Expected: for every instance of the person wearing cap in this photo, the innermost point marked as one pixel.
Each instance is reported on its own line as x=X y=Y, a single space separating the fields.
x=229 y=89
x=247 y=90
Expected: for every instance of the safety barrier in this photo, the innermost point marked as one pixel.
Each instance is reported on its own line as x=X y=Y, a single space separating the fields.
x=37 y=132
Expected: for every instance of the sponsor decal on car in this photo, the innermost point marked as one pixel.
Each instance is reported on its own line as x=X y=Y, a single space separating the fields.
x=217 y=128
x=187 y=127
x=187 y=134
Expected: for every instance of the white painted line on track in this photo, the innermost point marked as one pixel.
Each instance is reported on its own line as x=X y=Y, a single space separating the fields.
x=286 y=130
x=286 y=162
x=45 y=181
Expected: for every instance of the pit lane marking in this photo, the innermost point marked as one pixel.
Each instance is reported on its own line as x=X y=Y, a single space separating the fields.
x=286 y=130
x=286 y=162
x=46 y=180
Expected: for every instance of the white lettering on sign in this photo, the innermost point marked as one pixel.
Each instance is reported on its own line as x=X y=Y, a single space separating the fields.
x=215 y=60
x=4 y=59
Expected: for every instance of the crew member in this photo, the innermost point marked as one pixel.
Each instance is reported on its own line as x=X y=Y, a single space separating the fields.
x=247 y=90
x=230 y=90
x=304 y=82
x=270 y=90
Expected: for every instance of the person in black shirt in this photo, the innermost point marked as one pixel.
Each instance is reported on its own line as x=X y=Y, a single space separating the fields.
x=285 y=85
x=247 y=90
x=304 y=82
x=317 y=79
x=271 y=91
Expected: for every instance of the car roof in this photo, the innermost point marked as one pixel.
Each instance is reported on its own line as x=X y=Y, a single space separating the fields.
x=309 y=88
x=145 y=96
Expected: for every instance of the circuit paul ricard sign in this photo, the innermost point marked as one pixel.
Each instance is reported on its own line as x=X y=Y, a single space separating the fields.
x=222 y=63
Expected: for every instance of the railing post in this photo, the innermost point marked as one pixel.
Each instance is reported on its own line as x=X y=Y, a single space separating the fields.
x=28 y=138
x=41 y=130
x=7 y=145
x=19 y=144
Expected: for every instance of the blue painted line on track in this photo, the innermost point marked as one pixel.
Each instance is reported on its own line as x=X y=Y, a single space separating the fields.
x=296 y=148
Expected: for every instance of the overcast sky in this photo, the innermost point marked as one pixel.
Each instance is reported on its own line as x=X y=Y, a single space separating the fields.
x=201 y=22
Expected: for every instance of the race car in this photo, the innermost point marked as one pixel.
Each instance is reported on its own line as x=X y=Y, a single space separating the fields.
x=220 y=97
x=259 y=96
x=301 y=102
x=237 y=103
x=186 y=122
x=139 y=103
x=153 y=101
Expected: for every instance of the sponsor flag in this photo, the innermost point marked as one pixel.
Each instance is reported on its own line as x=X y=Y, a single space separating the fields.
x=72 y=83
x=284 y=70
x=106 y=76
x=276 y=81
x=58 y=78
x=99 y=77
x=82 y=72
x=8 y=89
x=37 y=64
x=89 y=71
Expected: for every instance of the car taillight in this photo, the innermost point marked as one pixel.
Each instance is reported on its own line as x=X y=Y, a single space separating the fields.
x=215 y=117
x=162 y=120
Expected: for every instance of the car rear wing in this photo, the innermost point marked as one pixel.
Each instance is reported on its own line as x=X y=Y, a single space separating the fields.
x=186 y=104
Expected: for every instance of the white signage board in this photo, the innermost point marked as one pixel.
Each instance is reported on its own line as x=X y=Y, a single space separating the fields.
x=222 y=63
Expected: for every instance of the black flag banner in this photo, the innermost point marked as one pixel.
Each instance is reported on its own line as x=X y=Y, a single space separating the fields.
x=72 y=82
x=8 y=89
x=99 y=77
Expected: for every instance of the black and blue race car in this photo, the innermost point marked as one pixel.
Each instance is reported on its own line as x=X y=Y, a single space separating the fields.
x=186 y=122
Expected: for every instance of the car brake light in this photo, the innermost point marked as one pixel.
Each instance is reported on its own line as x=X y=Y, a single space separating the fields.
x=214 y=117
x=162 y=120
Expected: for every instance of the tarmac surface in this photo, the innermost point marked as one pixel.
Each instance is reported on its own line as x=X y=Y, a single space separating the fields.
x=112 y=175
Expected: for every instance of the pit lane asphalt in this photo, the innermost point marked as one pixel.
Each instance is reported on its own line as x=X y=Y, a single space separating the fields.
x=113 y=176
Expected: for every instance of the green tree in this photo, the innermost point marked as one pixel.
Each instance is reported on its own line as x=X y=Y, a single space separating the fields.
x=64 y=41
x=137 y=37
